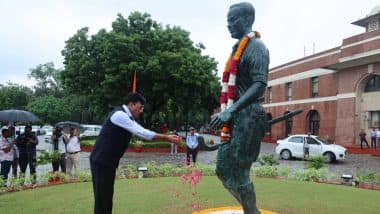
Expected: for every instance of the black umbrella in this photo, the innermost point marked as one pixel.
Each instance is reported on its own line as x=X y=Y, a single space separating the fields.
x=67 y=125
x=13 y=115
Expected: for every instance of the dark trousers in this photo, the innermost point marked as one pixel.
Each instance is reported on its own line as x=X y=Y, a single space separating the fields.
x=14 y=167
x=373 y=142
x=361 y=142
x=24 y=161
x=61 y=162
x=103 y=179
x=193 y=153
x=5 y=168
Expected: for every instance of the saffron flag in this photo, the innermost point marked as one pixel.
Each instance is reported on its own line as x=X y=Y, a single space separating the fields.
x=134 y=84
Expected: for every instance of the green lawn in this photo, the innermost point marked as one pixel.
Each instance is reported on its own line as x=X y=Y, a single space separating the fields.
x=168 y=195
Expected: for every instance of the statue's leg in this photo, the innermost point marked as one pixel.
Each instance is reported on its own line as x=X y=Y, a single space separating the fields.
x=225 y=170
x=248 y=198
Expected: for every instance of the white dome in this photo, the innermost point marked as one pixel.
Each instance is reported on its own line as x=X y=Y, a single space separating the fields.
x=375 y=10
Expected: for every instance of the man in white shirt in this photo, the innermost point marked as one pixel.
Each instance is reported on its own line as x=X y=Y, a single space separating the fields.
x=192 y=146
x=373 y=138
x=111 y=144
x=6 y=154
x=306 y=147
x=377 y=138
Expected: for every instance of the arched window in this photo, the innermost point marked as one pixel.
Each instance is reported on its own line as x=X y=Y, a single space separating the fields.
x=288 y=125
x=373 y=84
x=314 y=122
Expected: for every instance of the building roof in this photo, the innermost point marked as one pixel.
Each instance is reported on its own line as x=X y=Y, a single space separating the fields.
x=364 y=21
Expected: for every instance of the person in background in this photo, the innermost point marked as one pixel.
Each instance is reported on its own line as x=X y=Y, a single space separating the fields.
x=26 y=144
x=6 y=154
x=73 y=152
x=16 y=153
x=173 y=146
x=192 y=146
x=363 y=138
x=59 y=141
x=306 y=147
x=373 y=138
x=377 y=138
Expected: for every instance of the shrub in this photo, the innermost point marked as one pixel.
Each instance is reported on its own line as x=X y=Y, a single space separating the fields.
x=311 y=174
x=268 y=160
x=153 y=169
x=84 y=176
x=87 y=142
x=316 y=162
x=206 y=169
x=167 y=170
x=131 y=171
x=366 y=176
x=266 y=171
x=284 y=172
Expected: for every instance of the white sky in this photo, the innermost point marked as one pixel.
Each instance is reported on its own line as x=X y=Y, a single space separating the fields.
x=34 y=32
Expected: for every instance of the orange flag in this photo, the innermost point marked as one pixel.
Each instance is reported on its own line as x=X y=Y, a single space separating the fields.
x=134 y=85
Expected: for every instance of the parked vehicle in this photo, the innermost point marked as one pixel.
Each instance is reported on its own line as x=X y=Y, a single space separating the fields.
x=292 y=147
x=21 y=129
x=91 y=130
x=48 y=130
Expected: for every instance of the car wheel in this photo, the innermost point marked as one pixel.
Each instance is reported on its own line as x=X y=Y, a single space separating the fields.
x=285 y=154
x=330 y=157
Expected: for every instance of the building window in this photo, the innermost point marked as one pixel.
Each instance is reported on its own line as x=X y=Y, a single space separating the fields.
x=269 y=89
x=373 y=84
x=314 y=87
x=289 y=91
x=375 y=119
x=269 y=128
x=314 y=122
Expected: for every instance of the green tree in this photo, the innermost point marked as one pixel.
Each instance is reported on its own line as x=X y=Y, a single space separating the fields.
x=48 y=80
x=172 y=73
x=14 y=96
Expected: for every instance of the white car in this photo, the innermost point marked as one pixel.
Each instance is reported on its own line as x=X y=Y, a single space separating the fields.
x=91 y=130
x=292 y=147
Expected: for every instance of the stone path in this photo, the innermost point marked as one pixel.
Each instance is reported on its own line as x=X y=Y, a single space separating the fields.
x=351 y=165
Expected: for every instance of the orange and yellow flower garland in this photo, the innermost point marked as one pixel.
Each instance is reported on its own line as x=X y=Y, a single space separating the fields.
x=228 y=94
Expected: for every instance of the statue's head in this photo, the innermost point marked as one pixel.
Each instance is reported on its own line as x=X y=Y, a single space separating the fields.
x=240 y=19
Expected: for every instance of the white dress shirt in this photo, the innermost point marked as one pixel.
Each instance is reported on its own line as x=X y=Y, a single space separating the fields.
x=73 y=145
x=5 y=156
x=191 y=141
x=125 y=120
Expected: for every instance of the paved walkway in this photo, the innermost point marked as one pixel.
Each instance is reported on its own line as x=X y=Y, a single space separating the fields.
x=353 y=164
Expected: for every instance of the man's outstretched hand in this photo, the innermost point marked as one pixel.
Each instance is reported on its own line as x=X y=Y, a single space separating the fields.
x=174 y=139
x=220 y=119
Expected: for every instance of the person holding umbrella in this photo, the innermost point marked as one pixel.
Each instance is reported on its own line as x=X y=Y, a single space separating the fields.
x=111 y=144
x=26 y=143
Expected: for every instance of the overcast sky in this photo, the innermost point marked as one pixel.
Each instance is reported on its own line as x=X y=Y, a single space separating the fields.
x=34 y=32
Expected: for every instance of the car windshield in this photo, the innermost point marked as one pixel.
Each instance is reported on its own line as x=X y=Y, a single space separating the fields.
x=322 y=140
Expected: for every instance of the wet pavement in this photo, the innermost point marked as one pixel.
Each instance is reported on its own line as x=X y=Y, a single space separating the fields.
x=353 y=164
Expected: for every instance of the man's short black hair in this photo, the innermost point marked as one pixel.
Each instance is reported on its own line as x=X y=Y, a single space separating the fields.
x=3 y=131
x=134 y=98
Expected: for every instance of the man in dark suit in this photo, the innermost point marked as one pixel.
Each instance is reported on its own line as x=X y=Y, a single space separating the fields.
x=111 y=144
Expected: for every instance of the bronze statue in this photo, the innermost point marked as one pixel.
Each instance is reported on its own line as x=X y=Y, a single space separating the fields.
x=242 y=116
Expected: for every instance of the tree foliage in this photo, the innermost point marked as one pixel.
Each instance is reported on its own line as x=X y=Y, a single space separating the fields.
x=48 y=80
x=52 y=109
x=177 y=80
x=14 y=96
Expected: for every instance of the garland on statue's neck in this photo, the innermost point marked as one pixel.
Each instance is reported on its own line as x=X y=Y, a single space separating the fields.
x=227 y=96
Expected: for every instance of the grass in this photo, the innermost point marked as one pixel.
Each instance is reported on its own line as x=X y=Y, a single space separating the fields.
x=168 y=195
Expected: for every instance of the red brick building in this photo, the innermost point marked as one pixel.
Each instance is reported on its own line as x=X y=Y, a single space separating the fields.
x=338 y=89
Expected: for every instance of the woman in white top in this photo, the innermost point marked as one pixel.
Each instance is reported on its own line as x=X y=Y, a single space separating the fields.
x=73 y=152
